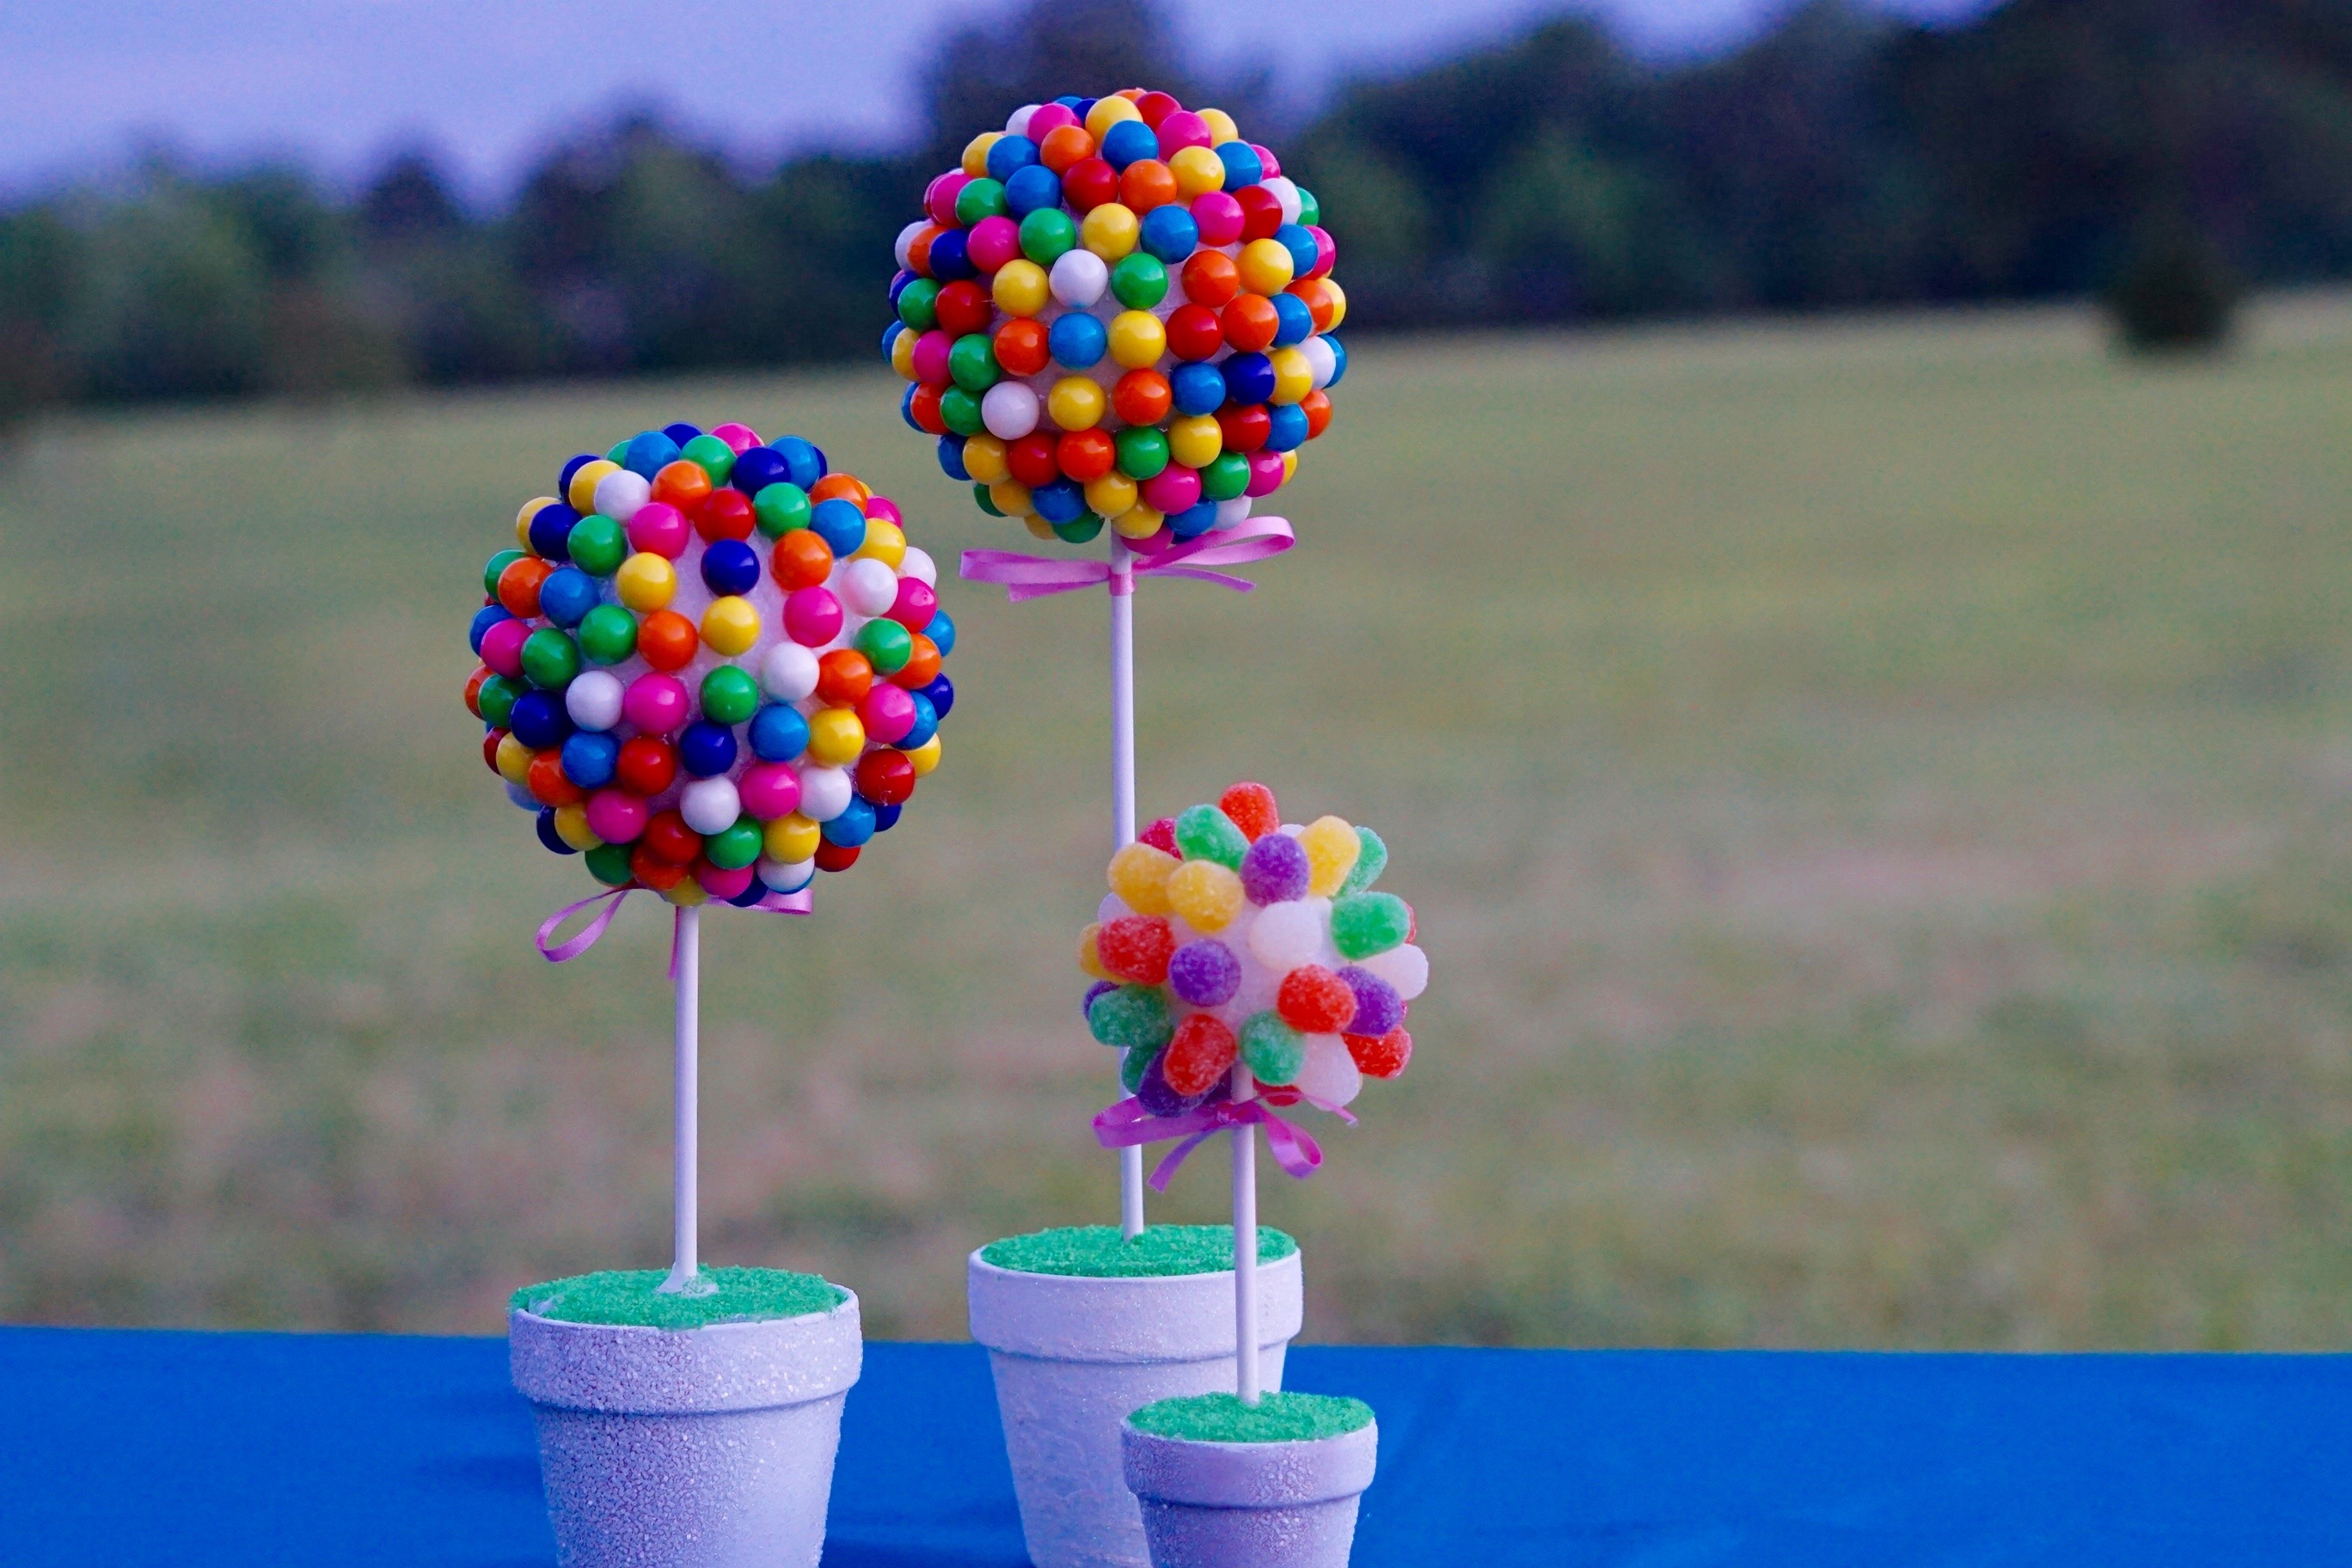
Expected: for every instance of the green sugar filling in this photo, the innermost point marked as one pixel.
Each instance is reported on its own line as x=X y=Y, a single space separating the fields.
x=628 y=1296
x=1274 y=1418
x=1100 y=1252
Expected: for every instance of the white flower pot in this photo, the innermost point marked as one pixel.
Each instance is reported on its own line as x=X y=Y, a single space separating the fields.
x=707 y=1448
x=1249 y=1505
x=1073 y=1355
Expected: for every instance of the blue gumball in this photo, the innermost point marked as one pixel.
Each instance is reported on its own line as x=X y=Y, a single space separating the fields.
x=927 y=724
x=1285 y=428
x=1031 y=190
x=951 y=256
x=757 y=467
x=750 y=895
x=803 y=464
x=567 y=596
x=853 y=826
x=1198 y=388
x=886 y=818
x=549 y=837
x=1059 y=500
x=551 y=527
x=539 y=720
x=706 y=750
x=1193 y=521
x=779 y=734
x=681 y=432
x=1008 y=155
x=941 y=631
x=590 y=757
x=1249 y=378
x=840 y=524
x=728 y=566
x=1077 y=340
x=1294 y=238
x=571 y=466
x=649 y=453
x=1170 y=233
x=1293 y=321
x=941 y=691
x=1243 y=167
x=1129 y=141
x=906 y=407
x=952 y=457
x=1339 y=361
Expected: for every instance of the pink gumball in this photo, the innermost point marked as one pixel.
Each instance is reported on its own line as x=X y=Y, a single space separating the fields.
x=659 y=529
x=1154 y=543
x=769 y=790
x=722 y=884
x=616 y=816
x=939 y=198
x=916 y=605
x=1327 y=252
x=502 y=648
x=884 y=508
x=738 y=437
x=1269 y=166
x=1219 y=217
x=931 y=357
x=995 y=241
x=1050 y=117
x=1172 y=490
x=887 y=712
x=1181 y=130
x=1265 y=473
x=655 y=703
x=812 y=616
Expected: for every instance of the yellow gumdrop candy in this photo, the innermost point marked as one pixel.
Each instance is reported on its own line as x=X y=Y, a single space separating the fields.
x=836 y=736
x=513 y=760
x=1331 y=849
x=1089 y=955
x=925 y=757
x=1205 y=894
x=731 y=626
x=1139 y=875
x=791 y=839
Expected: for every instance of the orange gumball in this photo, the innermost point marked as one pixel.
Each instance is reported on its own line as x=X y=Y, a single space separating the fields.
x=667 y=640
x=518 y=586
x=683 y=484
x=1316 y=295
x=922 y=666
x=1142 y=398
x=1147 y=184
x=846 y=486
x=1021 y=343
x=1250 y=323
x=1317 y=406
x=926 y=409
x=655 y=872
x=1065 y=147
x=844 y=676
x=919 y=249
x=1211 y=279
x=803 y=558
x=1086 y=454
x=547 y=783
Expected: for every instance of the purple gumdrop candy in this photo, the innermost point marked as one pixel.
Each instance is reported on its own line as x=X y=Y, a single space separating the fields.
x=1204 y=972
x=1087 y=1007
x=1274 y=870
x=1156 y=1097
x=1379 y=1008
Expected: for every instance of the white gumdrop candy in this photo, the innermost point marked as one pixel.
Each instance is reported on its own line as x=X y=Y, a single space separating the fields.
x=1285 y=935
x=788 y=673
x=1078 y=278
x=1010 y=410
x=1329 y=1074
x=870 y=586
x=1405 y=968
x=593 y=699
x=918 y=563
x=621 y=496
x=824 y=793
x=710 y=805
x=1112 y=908
x=785 y=876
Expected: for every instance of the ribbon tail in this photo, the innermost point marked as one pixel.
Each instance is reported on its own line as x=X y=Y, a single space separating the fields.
x=1293 y=1147
x=589 y=934
x=1165 y=1172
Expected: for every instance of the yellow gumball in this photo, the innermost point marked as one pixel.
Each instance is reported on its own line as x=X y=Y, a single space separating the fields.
x=1010 y=497
x=1089 y=955
x=685 y=892
x=1107 y=112
x=731 y=626
x=1111 y=230
x=975 y=152
x=530 y=508
x=1110 y=495
x=1266 y=267
x=884 y=542
x=1019 y=291
x=925 y=756
x=1221 y=125
x=1198 y=172
x=1138 y=339
x=791 y=839
x=1077 y=402
x=1289 y=467
x=1039 y=528
x=1139 y=875
x=582 y=491
x=984 y=459
x=1138 y=521
x=646 y=581
x=836 y=736
x=1339 y=300
x=1331 y=849
x=572 y=826
x=902 y=355
x=513 y=760
x=1195 y=439
x=1207 y=895
x=1294 y=378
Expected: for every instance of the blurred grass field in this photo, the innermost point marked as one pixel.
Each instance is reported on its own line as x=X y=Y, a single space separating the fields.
x=1876 y=795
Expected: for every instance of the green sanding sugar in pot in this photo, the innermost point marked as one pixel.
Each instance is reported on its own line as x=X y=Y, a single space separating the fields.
x=628 y=1297
x=1274 y=1418
x=1100 y=1252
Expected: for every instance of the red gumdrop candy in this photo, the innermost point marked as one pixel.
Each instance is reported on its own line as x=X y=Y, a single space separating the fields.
x=1161 y=836
x=1313 y=1000
x=1381 y=1056
x=1201 y=1054
x=1138 y=948
x=668 y=836
x=1252 y=807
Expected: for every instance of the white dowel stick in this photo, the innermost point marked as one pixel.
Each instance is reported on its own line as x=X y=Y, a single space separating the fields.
x=1123 y=796
x=685 y=1272
x=1245 y=1250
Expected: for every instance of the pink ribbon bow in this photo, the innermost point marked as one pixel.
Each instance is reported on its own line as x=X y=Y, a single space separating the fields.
x=774 y=903
x=1127 y=1124
x=1035 y=576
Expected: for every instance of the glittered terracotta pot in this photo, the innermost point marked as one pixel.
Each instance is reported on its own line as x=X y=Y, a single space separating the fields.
x=1074 y=1354
x=707 y=1448
x=1249 y=1505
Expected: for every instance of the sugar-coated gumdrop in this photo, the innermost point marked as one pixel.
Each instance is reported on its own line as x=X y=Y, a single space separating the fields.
x=1138 y=874
x=1158 y=1094
x=1406 y=968
x=1205 y=833
x=1160 y=836
x=1382 y=1056
x=1089 y=956
x=1252 y=810
x=1331 y=849
x=1270 y=1048
x=1087 y=1004
x=1372 y=859
x=1137 y=948
x=1204 y=974
x=1131 y=1017
x=1328 y=1076
x=1276 y=871
x=1363 y=925
x=1199 y=1055
x=1314 y=1000
x=1379 y=1008
x=1134 y=1065
x=1285 y=935
x=1205 y=895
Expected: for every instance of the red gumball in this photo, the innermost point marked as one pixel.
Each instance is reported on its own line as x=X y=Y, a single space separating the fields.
x=727 y=514
x=1313 y=1000
x=647 y=765
x=1250 y=323
x=1089 y=183
x=831 y=857
x=925 y=408
x=474 y=690
x=885 y=776
x=1194 y=333
x=668 y=836
x=490 y=749
x=1246 y=425
x=1261 y=213
x=1138 y=948
x=1317 y=406
x=1086 y=455
x=1201 y=1052
x=844 y=676
x=1156 y=107
x=922 y=666
x=1030 y=460
x=655 y=872
x=965 y=307
x=1021 y=346
x=1381 y=1056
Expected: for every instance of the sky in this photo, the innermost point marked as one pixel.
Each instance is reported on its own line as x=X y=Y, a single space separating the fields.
x=339 y=84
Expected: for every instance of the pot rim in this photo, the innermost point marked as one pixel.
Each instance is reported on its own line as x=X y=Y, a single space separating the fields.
x=1128 y=1317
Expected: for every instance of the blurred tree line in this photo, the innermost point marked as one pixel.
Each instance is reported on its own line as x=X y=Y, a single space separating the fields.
x=2161 y=152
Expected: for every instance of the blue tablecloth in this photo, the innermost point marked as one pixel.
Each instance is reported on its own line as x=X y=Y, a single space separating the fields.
x=127 y=1449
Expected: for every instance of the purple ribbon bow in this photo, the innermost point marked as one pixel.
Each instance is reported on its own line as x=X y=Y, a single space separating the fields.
x=1035 y=576
x=775 y=903
x=1127 y=1124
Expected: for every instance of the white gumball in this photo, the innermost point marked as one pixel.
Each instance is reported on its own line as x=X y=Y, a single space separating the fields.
x=710 y=805
x=870 y=586
x=788 y=673
x=1010 y=410
x=918 y=564
x=785 y=876
x=593 y=699
x=1320 y=360
x=824 y=793
x=1285 y=935
x=1017 y=122
x=1231 y=513
x=1287 y=193
x=622 y=494
x=904 y=247
x=1078 y=278
x=1328 y=1075
x=1406 y=968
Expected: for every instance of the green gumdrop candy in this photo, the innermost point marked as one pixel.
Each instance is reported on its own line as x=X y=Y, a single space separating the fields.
x=1365 y=923
x=1133 y=1017
x=608 y=633
x=730 y=848
x=1206 y=832
x=780 y=508
x=496 y=697
x=549 y=659
x=598 y=544
x=1271 y=1049
x=1134 y=1065
x=1372 y=859
x=713 y=455
x=609 y=864
x=730 y=696
x=886 y=645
